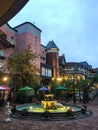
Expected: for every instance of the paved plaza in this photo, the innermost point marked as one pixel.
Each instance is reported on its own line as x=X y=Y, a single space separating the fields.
x=89 y=123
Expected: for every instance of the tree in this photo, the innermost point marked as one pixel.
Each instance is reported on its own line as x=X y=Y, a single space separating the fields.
x=85 y=86
x=54 y=83
x=23 y=66
x=95 y=79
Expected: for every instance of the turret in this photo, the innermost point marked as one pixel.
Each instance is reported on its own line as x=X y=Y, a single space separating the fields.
x=52 y=57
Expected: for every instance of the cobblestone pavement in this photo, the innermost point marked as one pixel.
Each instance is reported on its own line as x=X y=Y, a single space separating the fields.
x=90 y=123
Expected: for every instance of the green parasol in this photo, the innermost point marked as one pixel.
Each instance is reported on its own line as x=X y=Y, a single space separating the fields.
x=61 y=88
x=26 y=88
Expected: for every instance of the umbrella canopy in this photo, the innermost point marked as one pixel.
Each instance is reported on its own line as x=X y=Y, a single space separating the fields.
x=61 y=88
x=43 y=89
x=26 y=88
x=5 y=87
x=2 y=88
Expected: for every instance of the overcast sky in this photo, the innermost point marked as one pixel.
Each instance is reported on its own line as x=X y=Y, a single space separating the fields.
x=71 y=24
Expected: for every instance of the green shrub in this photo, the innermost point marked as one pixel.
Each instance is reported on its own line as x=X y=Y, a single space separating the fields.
x=46 y=114
x=24 y=112
x=84 y=110
x=70 y=112
x=23 y=97
x=13 y=110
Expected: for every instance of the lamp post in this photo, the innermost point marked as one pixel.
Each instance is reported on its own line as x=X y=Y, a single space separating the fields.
x=78 y=78
x=74 y=83
x=5 y=79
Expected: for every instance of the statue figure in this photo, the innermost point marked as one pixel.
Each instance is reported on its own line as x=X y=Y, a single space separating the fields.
x=7 y=112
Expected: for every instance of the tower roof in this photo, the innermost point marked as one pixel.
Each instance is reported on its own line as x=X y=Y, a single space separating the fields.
x=51 y=45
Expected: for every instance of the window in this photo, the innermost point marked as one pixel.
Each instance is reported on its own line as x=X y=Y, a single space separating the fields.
x=43 y=71
x=1 y=53
x=68 y=67
x=12 y=40
x=49 y=72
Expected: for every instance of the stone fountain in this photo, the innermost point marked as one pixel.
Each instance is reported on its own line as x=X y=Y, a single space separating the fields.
x=50 y=103
x=49 y=107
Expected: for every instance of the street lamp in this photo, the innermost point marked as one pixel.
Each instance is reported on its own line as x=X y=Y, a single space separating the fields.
x=74 y=98
x=59 y=79
x=5 y=79
x=78 y=78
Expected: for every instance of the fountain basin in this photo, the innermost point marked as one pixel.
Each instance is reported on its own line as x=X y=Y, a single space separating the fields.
x=38 y=108
x=37 y=113
x=49 y=108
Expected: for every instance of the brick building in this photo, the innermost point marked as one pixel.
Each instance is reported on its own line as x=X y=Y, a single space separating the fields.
x=49 y=62
x=19 y=38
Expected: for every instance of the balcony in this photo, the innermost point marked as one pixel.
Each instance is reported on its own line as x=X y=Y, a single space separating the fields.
x=5 y=43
